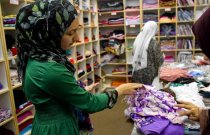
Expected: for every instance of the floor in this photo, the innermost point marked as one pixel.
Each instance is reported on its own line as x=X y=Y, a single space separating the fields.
x=112 y=121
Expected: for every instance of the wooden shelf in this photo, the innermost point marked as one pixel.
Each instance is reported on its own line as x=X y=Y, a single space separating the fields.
x=203 y=5
x=116 y=64
x=28 y=118
x=6 y=121
x=2 y=91
x=130 y=11
x=102 y=26
x=2 y=60
x=9 y=28
x=149 y=9
x=111 y=12
x=119 y=76
x=185 y=36
x=185 y=6
x=169 y=50
x=185 y=21
x=17 y=86
x=25 y=109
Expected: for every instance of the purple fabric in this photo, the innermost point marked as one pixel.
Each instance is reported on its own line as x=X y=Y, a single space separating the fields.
x=160 y=126
x=150 y=102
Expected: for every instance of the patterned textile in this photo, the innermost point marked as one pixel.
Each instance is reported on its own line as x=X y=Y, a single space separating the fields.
x=150 y=102
x=39 y=29
x=4 y=114
x=154 y=61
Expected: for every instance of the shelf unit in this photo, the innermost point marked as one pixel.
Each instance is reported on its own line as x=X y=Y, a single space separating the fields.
x=88 y=48
x=108 y=77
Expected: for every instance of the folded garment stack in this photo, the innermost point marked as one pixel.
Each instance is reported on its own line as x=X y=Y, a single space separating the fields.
x=167 y=3
x=9 y=21
x=150 y=17
x=168 y=17
x=110 y=6
x=167 y=45
x=167 y=30
x=150 y=4
x=133 y=20
x=184 y=44
x=185 y=15
x=184 y=29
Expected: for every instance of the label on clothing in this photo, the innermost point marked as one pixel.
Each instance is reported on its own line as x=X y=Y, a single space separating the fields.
x=167 y=9
x=113 y=13
x=16 y=2
x=133 y=26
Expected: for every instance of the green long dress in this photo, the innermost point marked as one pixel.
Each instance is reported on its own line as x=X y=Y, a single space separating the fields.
x=55 y=93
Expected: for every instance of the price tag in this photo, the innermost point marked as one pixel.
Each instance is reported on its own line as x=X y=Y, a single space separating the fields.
x=133 y=26
x=113 y=13
x=167 y=9
x=16 y=2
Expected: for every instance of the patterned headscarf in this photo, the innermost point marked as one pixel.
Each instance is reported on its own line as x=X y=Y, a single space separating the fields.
x=39 y=29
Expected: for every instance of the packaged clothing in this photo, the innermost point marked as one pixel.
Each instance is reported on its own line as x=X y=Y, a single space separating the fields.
x=148 y=101
x=188 y=93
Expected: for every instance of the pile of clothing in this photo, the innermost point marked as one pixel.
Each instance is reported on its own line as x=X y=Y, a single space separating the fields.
x=115 y=42
x=184 y=29
x=167 y=30
x=150 y=17
x=171 y=74
x=185 y=15
x=167 y=3
x=185 y=2
x=112 y=21
x=133 y=20
x=168 y=17
x=9 y=21
x=168 y=45
x=132 y=8
x=121 y=70
x=184 y=44
x=150 y=4
x=5 y=114
x=169 y=58
x=110 y=6
x=154 y=112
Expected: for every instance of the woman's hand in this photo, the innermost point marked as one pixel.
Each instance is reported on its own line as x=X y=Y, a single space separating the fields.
x=128 y=88
x=91 y=87
x=193 y=111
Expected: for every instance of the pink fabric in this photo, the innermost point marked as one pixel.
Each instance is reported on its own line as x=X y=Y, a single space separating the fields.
x=24 y=116
x=149 y=6
x=171 y=74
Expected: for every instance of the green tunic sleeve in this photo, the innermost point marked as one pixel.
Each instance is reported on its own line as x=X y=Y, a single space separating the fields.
x=61 y=84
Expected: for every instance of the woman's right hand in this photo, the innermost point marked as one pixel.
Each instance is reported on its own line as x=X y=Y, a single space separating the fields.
x=128 y=88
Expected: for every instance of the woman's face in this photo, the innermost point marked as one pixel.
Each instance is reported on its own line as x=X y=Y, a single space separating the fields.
x=70 y=36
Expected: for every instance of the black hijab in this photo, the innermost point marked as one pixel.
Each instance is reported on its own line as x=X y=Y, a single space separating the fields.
x=201 y=30
x=39 y=29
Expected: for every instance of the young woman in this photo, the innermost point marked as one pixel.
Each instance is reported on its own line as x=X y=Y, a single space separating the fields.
x=45 y=29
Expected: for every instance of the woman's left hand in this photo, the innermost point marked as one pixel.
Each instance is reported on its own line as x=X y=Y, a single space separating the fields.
x=193 y=111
